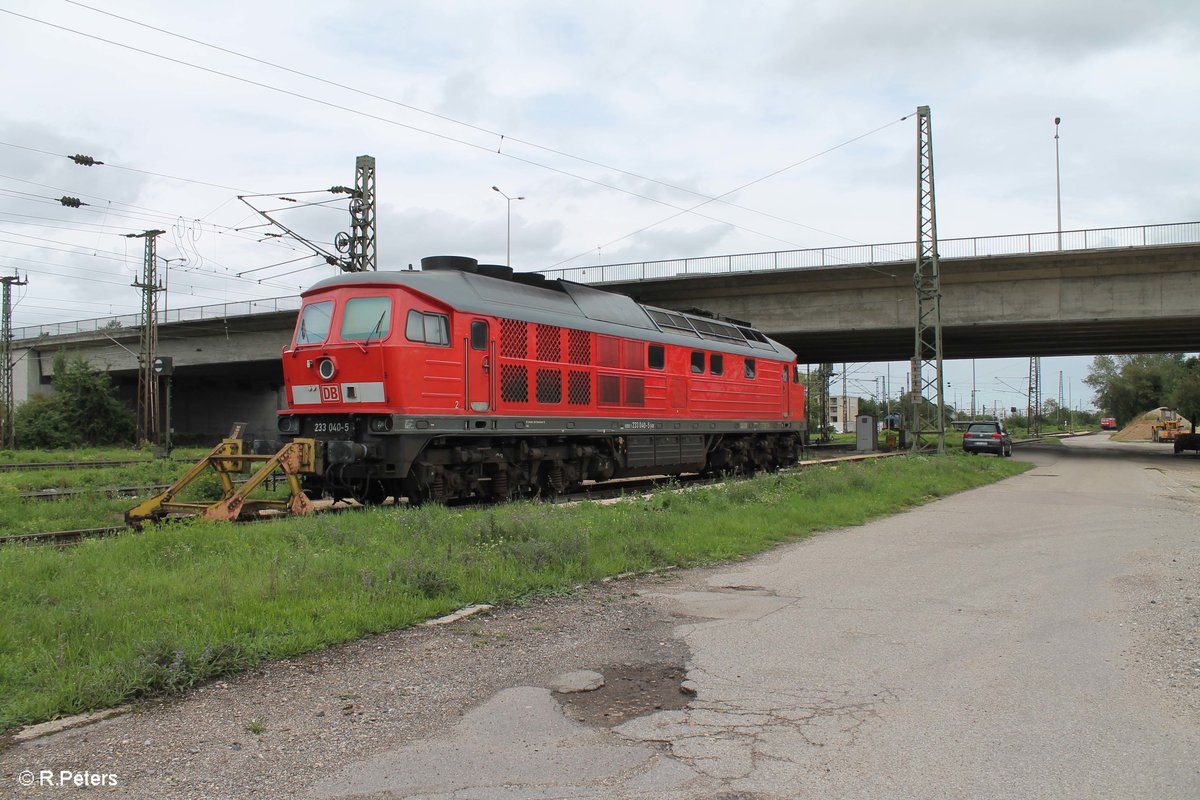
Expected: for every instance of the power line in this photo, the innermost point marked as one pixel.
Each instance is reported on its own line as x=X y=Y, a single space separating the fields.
x=501 y=136
x=435 y=134
x=228 y=274
x=150 y=213
x=127 y=169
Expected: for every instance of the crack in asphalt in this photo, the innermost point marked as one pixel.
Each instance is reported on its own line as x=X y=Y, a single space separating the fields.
x=729 y=739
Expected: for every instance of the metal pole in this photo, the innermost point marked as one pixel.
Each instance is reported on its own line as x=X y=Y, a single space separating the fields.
x=972 y=388
x=508 y=237
x=147 y=399
x=169 y=443
x=928 y=409
x=7 y=401
x=1057 y=181
x=363 y=242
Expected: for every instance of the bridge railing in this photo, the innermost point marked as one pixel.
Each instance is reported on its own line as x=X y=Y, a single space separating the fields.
x=189 y=314
x=815 y=258
x=889 y=253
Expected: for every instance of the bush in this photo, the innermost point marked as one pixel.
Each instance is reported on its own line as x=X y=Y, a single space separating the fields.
x=84 y=410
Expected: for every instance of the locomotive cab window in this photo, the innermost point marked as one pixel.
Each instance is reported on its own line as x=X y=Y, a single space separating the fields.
x=697 y=362
x=716 y=364
x=656 y=357
x=748 y=368
x=428 y=328
x=313 y=327
x=366 y=318
x=479 y=335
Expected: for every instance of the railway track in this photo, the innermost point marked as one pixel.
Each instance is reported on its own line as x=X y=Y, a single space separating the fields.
x=108 y=491
x=598 y=492
x=62 y=537
x=119 y=491
x=80 y=464
x=71 y=464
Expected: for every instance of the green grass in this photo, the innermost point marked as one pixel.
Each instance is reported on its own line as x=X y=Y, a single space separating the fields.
x=117 y=619
x=94 y=509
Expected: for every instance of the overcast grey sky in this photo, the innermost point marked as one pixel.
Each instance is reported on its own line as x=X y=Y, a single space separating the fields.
x=608 y=117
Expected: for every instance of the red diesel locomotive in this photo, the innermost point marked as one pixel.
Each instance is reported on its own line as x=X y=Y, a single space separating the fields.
x=465 y=380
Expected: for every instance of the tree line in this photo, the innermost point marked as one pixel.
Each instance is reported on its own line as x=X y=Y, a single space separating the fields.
x=1129 y=386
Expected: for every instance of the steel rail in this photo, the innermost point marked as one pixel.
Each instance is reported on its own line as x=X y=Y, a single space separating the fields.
x=602 y=491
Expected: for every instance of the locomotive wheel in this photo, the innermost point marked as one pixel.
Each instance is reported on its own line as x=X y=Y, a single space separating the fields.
x=369 y=491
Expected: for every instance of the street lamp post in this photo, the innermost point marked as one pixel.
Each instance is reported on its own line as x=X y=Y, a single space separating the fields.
x=1057 y=181
x=167 y=262
x=508 y=243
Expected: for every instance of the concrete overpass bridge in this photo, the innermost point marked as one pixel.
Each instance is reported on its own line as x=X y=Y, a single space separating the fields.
x=1118 y=290
x=1122 y=290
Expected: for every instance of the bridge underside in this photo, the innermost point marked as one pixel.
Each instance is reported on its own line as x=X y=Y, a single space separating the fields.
x=1131 y=300
x=1096 y=337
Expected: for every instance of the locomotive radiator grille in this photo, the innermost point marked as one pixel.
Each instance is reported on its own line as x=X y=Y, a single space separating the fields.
x=579 y=347
x=579 y=388
x=514 y=383
x=549 y=342
x=514 y=338
x=549 y=386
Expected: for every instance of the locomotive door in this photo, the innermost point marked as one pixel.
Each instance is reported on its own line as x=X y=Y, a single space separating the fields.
x=787 y=390
x=479 y=367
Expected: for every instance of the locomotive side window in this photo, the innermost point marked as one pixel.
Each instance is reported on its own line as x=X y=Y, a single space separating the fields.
x=716 y=364
x=366 y=318
x=748 y=368
x=479 y=335
x=428 y=328
x=697 y=362
x=313 y=327
x=656 y=357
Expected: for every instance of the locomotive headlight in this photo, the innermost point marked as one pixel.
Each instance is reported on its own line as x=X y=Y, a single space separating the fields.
x=380 y=424
x=326 y=369
x=288 y=424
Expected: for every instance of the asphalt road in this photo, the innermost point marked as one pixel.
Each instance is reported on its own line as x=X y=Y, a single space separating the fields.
x=1037 y=638
x=1032 y=639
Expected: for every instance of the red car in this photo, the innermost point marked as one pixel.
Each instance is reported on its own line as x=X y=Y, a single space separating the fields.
x=1108 y=424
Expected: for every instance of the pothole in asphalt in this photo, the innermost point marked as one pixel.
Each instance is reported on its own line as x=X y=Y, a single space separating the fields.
x=629 y=691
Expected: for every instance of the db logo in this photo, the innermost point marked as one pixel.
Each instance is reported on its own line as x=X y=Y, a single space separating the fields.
x=331 y=393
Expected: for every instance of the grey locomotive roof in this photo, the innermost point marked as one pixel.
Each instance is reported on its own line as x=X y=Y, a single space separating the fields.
x=569 y=305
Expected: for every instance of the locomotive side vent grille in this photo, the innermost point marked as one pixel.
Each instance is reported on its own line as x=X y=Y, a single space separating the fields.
x=514 y=383
x=608 y=351
x=579 y=347
x=549 y=386
x=514 y=339
x=549 y=342
x=579 y=388
x=633 y=354
x=634 y=390
x=608 y=388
